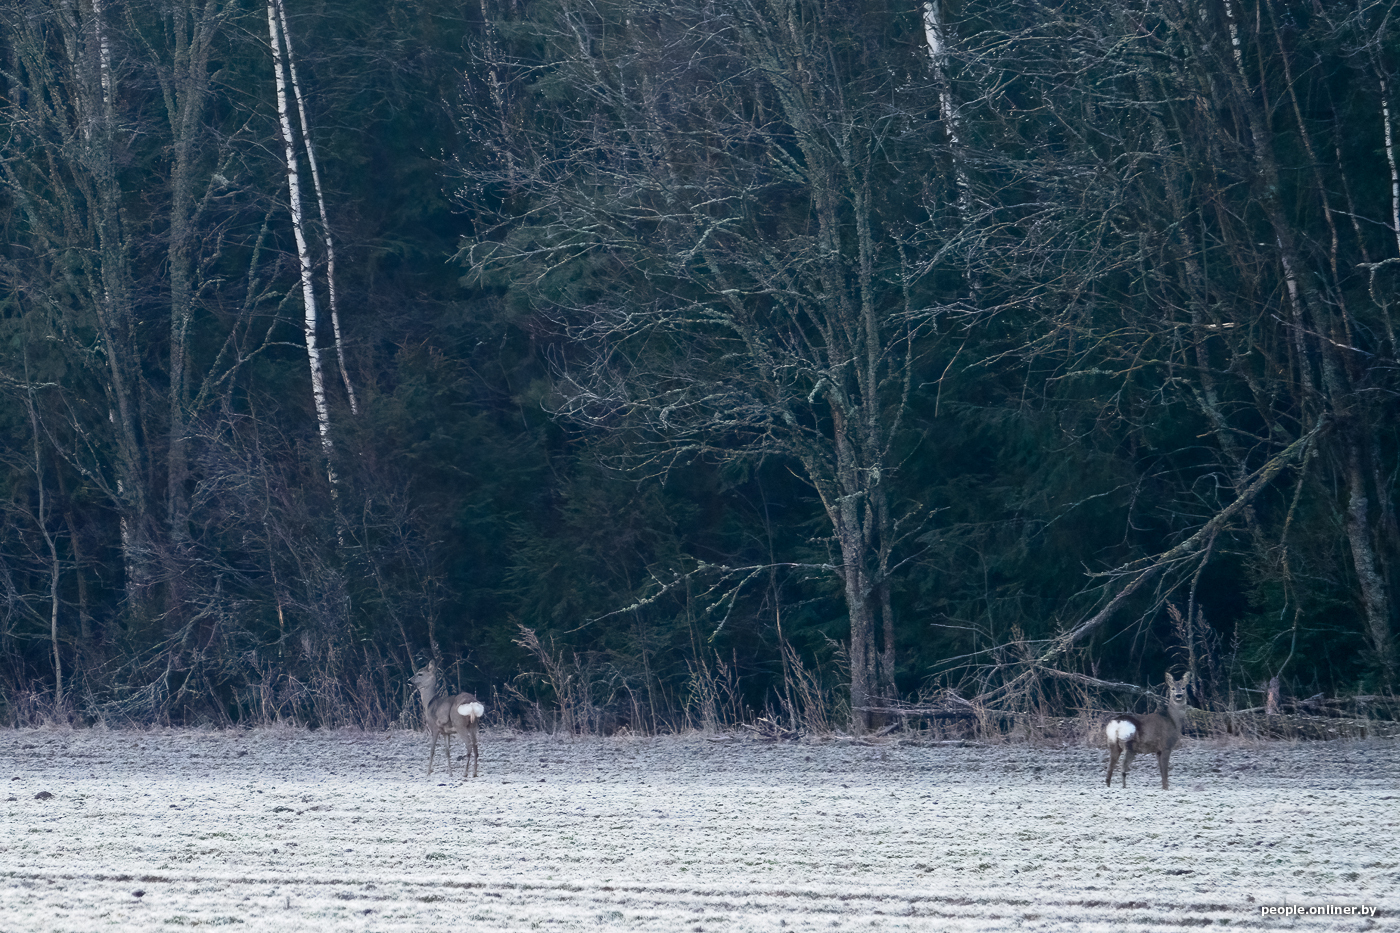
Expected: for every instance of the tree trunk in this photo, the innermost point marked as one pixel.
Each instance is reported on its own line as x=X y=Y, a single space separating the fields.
x=42 y=520
x=1390 y=155
x=936 y=37
x=1375 y=602
x=853 y=522
x=859 y=608
x=95 y=90
x=185 y=88
x=308 y=291
x=321 y=204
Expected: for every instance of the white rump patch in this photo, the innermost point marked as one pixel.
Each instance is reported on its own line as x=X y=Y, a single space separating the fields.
x=474 y=710
x=1119 y=730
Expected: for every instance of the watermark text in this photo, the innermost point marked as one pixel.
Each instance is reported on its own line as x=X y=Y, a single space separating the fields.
x=1323 y=910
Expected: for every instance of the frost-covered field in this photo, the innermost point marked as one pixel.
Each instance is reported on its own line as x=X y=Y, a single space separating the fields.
x=294 y=830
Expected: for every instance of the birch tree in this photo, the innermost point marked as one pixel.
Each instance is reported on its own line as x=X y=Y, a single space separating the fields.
x=305 y=264
x=327 y=238
x=41 y=521
x=937 y=36
x=126 y=193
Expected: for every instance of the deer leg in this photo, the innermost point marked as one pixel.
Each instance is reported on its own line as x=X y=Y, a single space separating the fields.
x=1114 y=751
x=432 y=754
x=1128 y=760
x=1163 y=764
x=447 y=744
x=470 y=739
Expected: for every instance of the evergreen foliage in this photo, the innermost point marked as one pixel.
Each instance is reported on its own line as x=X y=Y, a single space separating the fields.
x=715 y=359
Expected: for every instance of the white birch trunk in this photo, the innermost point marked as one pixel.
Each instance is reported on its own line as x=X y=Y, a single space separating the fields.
x=936 y=35
x=94 y=96
x=1390 y=157
x=1234 y=37
x=321 y=203
x=104 y=54
x=308 y=292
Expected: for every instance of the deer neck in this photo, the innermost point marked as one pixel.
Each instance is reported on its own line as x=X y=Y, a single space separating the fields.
x=427 y=690
x=1178 y=716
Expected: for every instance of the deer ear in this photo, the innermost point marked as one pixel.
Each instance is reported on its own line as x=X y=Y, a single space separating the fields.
x=1186 y=678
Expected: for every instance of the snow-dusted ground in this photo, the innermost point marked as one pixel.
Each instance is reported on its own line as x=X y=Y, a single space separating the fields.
x=294 y=830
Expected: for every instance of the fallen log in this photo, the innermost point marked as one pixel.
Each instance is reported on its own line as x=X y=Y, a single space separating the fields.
x=1260 y=725
x=925 y=712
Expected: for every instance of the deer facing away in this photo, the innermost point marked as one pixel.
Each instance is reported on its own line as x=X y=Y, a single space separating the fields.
x=446 y=716
x=1153 y=733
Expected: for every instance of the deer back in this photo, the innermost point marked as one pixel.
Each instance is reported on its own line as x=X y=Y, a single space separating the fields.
x=439 y=711
x=1155 y=732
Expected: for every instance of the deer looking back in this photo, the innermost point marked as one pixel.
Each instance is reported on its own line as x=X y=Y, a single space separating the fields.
x=1152 y=733
x=449 y=715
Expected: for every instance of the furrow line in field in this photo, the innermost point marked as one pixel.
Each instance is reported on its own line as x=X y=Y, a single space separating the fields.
x=664 y=906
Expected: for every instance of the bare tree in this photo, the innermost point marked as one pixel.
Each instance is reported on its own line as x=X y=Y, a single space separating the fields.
x=74 y=267
x=134 y=189
x=730 y=222
x=1159 y=229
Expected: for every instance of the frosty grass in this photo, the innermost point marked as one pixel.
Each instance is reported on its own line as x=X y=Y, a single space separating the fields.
x=296 y=830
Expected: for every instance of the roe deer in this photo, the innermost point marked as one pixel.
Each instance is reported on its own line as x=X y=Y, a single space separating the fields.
x=1154 y=733
x=447 y=716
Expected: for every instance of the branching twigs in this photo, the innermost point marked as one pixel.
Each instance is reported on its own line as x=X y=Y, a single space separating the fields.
x=952 y=706
x=727 y=596
x=1095 y=682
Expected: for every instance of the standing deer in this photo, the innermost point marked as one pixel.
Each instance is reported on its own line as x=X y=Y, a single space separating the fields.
x=1154 y=733
x=447 y=716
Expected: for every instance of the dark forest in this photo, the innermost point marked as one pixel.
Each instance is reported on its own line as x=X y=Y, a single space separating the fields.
x=670 y=364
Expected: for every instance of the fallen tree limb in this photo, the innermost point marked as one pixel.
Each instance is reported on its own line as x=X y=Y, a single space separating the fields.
x=920 y=712
x=1255 y=484
x=1255 y=724
x=1100 y=684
